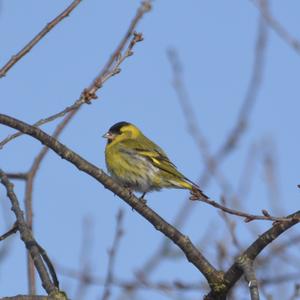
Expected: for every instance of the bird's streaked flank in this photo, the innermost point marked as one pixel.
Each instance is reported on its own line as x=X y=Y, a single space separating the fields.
x=137 y=163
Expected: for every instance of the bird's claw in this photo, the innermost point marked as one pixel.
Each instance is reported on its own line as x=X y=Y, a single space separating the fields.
x=197 y=194
x=194 y=195
x=144 y=201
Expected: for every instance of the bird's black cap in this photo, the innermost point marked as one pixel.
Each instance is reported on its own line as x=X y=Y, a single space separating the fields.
x=116 y=128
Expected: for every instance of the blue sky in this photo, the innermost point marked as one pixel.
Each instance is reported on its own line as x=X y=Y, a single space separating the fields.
x=215 y=41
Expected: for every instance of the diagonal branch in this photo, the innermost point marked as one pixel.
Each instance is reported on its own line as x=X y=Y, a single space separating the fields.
x=192 y=253
x=37 y=38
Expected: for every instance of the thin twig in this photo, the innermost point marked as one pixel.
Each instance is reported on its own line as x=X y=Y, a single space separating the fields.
x=145 y=7
x=10 y=232
x=15 y=58
x=247 y=217
x=18 y=176
x=111 y=68
x=276 y=26
x=112 y=256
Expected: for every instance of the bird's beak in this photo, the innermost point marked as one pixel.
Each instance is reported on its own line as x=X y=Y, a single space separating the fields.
x=108 y=135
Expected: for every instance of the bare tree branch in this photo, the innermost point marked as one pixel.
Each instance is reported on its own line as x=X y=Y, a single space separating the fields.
x=28 y=239
x=248 y=217
x=37 y=38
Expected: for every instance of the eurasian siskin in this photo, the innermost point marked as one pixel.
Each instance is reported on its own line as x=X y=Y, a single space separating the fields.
x=139 y=164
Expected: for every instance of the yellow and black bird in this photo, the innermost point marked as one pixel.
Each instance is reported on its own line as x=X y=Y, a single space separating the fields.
x=137 y=163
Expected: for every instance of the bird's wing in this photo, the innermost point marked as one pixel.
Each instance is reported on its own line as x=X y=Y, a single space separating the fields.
x=153 y=153
x=160 y=160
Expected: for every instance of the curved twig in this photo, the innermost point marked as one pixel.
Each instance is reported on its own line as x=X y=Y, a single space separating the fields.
x=15 y=58
x=247 y=217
